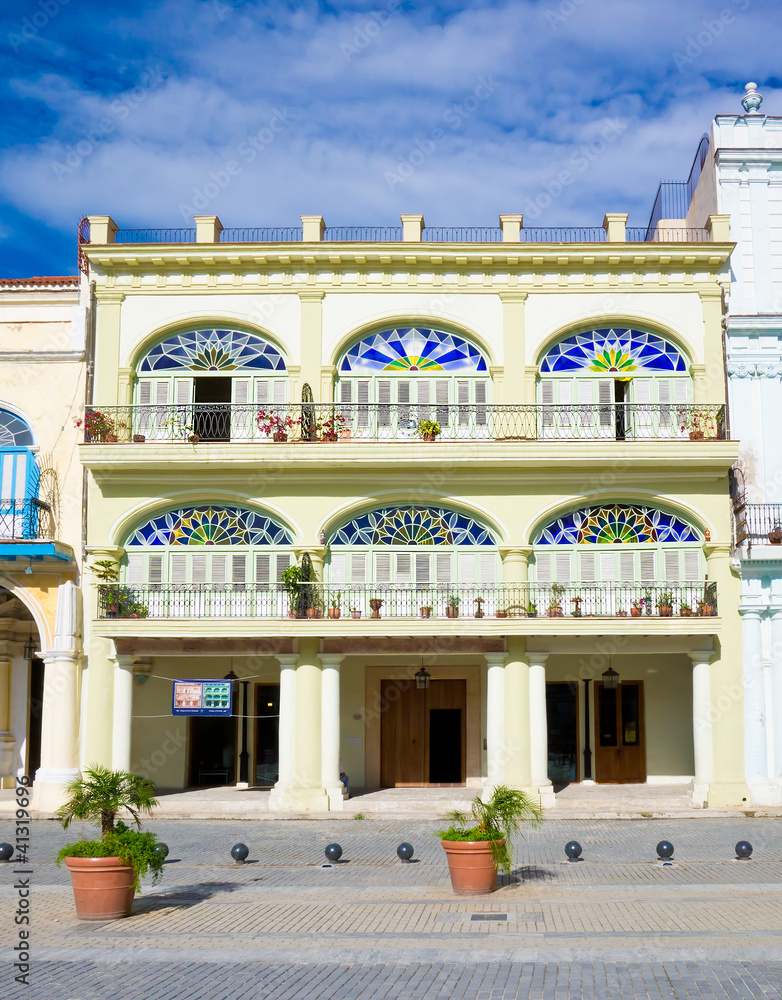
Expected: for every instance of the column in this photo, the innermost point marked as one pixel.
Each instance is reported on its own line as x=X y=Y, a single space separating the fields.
x=538 y=727
x=711 y=303
x=287 y=723
x=495 y=719
x=59 y=729
x=518 y=764
x=307 y=793
x=701 y=724
x=312 y=340
x=755 y=710
x=7 y=743
x=515 y=574
x=330 y=729
x=122 y=717
x=776 y=693
x=107 y=353
x=514 y=354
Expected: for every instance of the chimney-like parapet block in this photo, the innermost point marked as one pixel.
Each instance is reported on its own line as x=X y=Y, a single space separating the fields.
x=103 y=229
x=313 y=228
x=208 y=228
x=511 y=228
x=615 y=225
x=412 y=228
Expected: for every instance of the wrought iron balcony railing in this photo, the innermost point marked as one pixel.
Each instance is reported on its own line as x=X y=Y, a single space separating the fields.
x=758 y=523
x=408 y=600
x=26 y=519
x=371 y=422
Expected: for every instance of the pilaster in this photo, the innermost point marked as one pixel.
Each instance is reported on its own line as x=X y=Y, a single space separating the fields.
x=107 y=353
x=513 y=346
x=311 y=339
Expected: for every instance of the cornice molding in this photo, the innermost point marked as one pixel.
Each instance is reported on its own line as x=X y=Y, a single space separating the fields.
x=40 y=357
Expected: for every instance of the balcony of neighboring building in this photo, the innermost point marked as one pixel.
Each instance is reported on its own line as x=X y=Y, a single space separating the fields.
x=758 y=529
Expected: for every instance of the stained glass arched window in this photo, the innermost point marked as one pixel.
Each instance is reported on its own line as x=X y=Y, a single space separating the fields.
x=608 y=350
x=211 y=544
x=412 y=349
x=215 y=350
x=618 y=542
x=14 y=432
x=411 y=544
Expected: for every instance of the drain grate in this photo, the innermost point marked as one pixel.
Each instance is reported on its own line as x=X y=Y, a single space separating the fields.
x=489 y=916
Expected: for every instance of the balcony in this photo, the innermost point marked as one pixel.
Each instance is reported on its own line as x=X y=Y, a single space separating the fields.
x=27 y=520
x=306 y=423
x=758 y=524
x=393 y=601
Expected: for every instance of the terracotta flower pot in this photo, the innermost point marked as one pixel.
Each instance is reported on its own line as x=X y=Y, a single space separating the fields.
x=775 y=537
x=500 y=614
x=425 y=612
x=686 y=612
x=375 y=604
x=429 y=437
x=451 y=612
x=666 y=611
x=139 y=438
x=471 y=866
x=313 y=613
x=635 y=612
x=280 y=436
x=334 y=612
x=102 y=888
x=696 y=435
x=355 y=614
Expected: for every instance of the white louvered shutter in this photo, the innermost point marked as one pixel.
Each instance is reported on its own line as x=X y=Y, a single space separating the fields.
x=543 y=567
x=664 y=398
x=586 y=402
x=238 y=568
x=362 y=399
x=463 y=399
x=605 y=395
x=488 y=567
x=564 y=574
x=403 y=568
x=178 y=568
x=691 y=565
x=20 y=480
x=607 y=567
x=261 y=391
x=155 y=569
x=8 y=478
x=481 y=397
x=422 y=568
x=626 y=567
x=443 y=567
x=383 y=400
x=279 y=386
x=136 y=568
x=640 y=423
x=218 y=568
x=547 y=399
x=183 y=389
x=241 y=390
x=647 y=566
x=587 y=560
x=339 y=567
x=467 y=572
x=358 y=567
x=145 y=393
x=671 y=564
x=198 y=567
x=680 y=390
x=263 y=569
x=283 y=562
x=383 y=567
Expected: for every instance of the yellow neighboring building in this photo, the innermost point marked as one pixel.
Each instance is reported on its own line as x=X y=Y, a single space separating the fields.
x=451 y=506
x=43 y=323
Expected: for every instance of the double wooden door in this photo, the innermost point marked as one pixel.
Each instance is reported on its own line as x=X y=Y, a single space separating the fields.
x=620 y=751
x=422 y=733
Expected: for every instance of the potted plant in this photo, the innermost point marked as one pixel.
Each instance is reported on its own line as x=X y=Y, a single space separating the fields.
x=139 y=438
x=699 y=422
x=355 y=613
x=478 y=602
x=554 y=609
x=99 y=426
x=637 y=608
x=685 y=610
x=330 y=429
x=532 y=610
x=479 y=843
x=452 y=608
x=290 y=578
x=775 y=535
x=665 y=604
x=621 y=613
x=106 y=873
x=334 y=610
x=577 y=609
x=648 y=601
x=428 y=430
x=275 y=426
x=500 y=613
x=375 y=604
x=426 y=611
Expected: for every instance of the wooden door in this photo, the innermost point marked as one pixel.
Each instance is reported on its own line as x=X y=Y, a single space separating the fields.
x=411 y=720
x=620 y=751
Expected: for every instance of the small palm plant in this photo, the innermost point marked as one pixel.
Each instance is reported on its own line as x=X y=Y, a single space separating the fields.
x=495 y=820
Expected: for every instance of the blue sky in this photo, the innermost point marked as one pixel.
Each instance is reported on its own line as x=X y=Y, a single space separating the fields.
x=261 y=112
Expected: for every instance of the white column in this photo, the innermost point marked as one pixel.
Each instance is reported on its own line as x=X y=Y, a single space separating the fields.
x=495 y=718
x=59 y=729
x=755 y=709
x=7 y=743
x=776 y=692
x=330 y=729
x=122 y=722
x=287 y=740
x=538 y=727
x=701 y=724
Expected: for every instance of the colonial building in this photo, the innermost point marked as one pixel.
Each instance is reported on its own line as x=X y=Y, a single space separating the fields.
x=451 y=505
x=741 y=160
x=42 y=357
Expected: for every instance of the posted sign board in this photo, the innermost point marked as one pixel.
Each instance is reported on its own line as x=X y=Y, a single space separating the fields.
x=202 y=698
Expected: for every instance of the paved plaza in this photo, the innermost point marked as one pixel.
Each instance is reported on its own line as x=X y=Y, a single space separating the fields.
x=616 y=924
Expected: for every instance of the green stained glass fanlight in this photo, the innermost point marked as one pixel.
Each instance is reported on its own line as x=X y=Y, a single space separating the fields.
x=616 y=524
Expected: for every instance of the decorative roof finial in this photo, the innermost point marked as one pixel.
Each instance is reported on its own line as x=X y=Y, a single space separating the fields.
x=752 y=101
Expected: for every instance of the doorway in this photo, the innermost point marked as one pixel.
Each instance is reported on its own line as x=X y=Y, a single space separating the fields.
x=34 y=723
x=621 y=392
x=212 y=422
x=620 y=751
x=562 y=722
x=422 y=734
x=212 y=750
x=267 y=734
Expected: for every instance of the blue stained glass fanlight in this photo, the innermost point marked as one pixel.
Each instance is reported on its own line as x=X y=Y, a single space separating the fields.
x=615 y=524
x=412 y=526
x=211 y=525
x=412 y=349
x=607 y=350
x=14 y=432
x=213 y=350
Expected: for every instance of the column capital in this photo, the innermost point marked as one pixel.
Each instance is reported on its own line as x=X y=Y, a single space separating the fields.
x=747 y=612
x=59 y=655
x=287 y=659
x=701 y=656
x=521 y=551
x=719 y=549
x=513 y=296
x=311 y=296
x=495 y=659
x=331 y=659
x=125 y=661
x=538 y=658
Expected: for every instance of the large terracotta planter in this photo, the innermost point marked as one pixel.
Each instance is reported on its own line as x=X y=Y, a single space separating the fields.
x=102 y=888
x=471 y=866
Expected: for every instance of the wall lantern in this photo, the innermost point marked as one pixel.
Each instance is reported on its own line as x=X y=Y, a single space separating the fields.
x=422 y=678
x=29 y=649
x=610 y=679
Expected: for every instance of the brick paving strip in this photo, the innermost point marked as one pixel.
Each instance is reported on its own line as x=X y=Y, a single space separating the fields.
x=615 y=925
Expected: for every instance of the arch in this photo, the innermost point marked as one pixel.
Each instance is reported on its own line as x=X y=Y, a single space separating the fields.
x=201 y=349
x=615 y=523
x=210 y=524
x=35 y=608
x=15 y=430
x=412 y=524
x=613 y=349
x=407 y=349
x=210 y=321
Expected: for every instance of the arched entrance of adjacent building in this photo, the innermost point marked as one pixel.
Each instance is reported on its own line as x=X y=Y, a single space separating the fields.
x=22 y=676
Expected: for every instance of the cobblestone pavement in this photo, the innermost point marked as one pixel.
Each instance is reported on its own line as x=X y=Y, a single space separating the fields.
x=616 y=925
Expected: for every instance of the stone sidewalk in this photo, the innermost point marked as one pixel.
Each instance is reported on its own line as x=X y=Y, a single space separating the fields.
x=616 y=924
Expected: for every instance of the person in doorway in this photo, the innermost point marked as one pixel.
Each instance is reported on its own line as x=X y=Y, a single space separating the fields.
x=345 y=780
